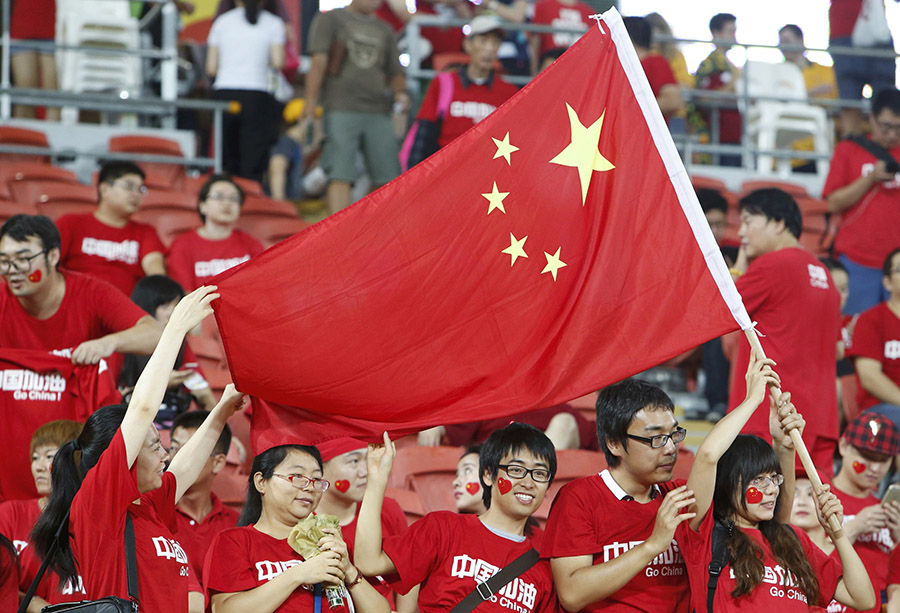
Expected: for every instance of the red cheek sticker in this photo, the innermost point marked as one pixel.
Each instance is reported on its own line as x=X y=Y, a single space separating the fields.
x=472 y=488
x=754 y=496
x=503 y=485
x=859 y=467
x=35 y=276
x=342 y=485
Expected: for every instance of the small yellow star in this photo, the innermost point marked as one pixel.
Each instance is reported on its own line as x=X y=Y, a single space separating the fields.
x=516 y=249
x=582 y=152
x=504 y=148
x=553 y=263
x=495 y=198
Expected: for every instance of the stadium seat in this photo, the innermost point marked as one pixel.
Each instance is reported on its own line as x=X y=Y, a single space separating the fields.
x=409 y=501
x=209 y=352
x=165 y=199
x=28 y=171
x=261 y=206
x=683 y=463
x=170 y=175
x=192 y=185
x=231 y=488
x=8 y=208
x=10 y=135
x=271 y=230
x=701 y=182
x=56 y=209
x=43 y=191
x=791 y=188
x=240 y=429
x=428 y=471
x=586 y=405
x=250 y=187
x=571 y=464
x=169 y=223
x=811 y=206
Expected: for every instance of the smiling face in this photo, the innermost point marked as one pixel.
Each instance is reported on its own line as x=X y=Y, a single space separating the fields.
x=41 y=460
x=281 y=500
x=347 y=474
x=151 y=462
x=517 y=498
x=760 y=496
x=466 y=486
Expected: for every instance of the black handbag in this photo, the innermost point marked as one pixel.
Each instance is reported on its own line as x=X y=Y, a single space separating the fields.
x=109 y=604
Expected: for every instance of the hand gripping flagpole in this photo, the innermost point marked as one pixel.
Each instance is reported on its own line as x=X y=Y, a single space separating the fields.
x=799 y=445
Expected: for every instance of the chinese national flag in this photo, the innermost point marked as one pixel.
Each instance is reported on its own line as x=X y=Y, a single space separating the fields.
x=555 y=248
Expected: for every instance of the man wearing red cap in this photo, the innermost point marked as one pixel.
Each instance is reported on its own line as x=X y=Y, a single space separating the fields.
x=345 y=467
x=867 y=447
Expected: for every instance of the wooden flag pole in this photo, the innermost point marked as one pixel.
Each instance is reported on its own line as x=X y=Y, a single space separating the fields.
x=799 y=445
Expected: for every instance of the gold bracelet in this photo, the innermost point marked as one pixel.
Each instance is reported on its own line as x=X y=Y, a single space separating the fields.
x=735 y=272
x=359 y=577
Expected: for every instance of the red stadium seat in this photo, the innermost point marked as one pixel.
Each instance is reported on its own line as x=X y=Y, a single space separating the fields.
x=428 y=471
x=271 y=230
x=209 y=352
x=811 y=206
x=28 y=171
x=56 y=209
x=10 y=135
x=701 y=182
x=164 y=174
x=409 y=501
x=571 y=464
x=8 y=208
x=231 y=488
x=240 y=429
x=250 y=187
x=169 y=223
x=165 y=199
x=42 y=191
x=192 y=185
x=261 y=206
x=792 y=188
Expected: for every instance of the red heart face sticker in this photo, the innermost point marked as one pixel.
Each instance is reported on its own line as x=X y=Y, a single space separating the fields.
x=503 y=485
x=472 y=487
x=859 y=467
x=342 y=485
x=35 y=276
x=754 y=496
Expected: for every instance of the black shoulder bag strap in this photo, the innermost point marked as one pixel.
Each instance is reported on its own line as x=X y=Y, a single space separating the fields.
x=719 y=559
x=131 y=575
x=876 y=150
x=484 y=591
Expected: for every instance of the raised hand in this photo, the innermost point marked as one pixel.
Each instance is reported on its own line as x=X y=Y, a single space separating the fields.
x=380 y=459
x=193 y=308
x=828 y=505
x=232 y=400
x=669 y=516
x=783 y=417
x=758 y=377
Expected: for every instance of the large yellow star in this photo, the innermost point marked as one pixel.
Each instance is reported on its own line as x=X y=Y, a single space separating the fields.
x=504 y=149
x=516 y=249
x=495 y=198
x=582 y=152
x=553 y=263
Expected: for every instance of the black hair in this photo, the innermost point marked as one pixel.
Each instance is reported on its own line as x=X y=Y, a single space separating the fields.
x=71 y=464
x=476 y=449
x=513 y=438
x=793 y=29
x=887 y=267
x=251 y=10
x=265 y=464
x=194 y=419
x=719 y=21
x=204 y=191
x=831 y=264
x=111 y=171
x=639 y=30
x=776 y=205
x=8 y=556
x=886 y=99
x=20 y=227
x=616 y=407
x=552 y=54
x=712 y=200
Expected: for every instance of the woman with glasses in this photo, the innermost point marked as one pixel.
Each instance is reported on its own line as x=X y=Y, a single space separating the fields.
x=217 y=245
x=745 y=486
x=253 y=568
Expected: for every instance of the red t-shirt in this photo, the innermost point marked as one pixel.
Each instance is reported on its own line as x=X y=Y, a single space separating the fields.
x=91 y=308
x=97 y=529
x=659 y=72
x=870 y=229
x=842 y=15
x=449 y=554
x=35 y=19
x=393 y=522
x=792 y=297
x=241 y=559
x=777 y=592
x=112 y=254
x=37 y=387
x=877 y=336
x=557 y=14
x=893 y=576
x=193 y=260
x=195 y=538
x=9 y=581
x=590 y=516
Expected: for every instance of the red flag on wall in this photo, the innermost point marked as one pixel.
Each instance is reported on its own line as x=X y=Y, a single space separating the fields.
x=555 y=248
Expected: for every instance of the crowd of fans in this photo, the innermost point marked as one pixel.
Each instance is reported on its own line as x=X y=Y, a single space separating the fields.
x=747 y=530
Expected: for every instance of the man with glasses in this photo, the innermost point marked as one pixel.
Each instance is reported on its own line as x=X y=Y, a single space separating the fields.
x=611 y=536
x=106 y=243
x=863 y=185
x=42 y=307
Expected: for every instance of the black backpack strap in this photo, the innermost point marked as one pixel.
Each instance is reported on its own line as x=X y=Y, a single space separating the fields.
x=719 y=559
x=484 y=591
x=876 y=150
x=131 y=572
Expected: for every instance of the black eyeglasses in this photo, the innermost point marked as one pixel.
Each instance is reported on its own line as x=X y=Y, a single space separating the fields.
x=22 y=263
x=660 y=440
x=301 y=482
x=514 y=471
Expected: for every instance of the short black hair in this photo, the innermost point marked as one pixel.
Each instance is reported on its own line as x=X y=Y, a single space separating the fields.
x=514 y=437
x=719 y=21
x=777 y=205
x=152 y=292
x=111 y=171
x=616 y=407
x=712 y=200
x=888 y=263
x=552 y=54
x=204 y=191
x=20 y=227
x=889 y=99
x=793 y=29
x=192 y=420
x=639 y=31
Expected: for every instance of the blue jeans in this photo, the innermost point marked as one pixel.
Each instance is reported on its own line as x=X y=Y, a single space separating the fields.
x=853 y=71
x=866 y=289
x=891 y=411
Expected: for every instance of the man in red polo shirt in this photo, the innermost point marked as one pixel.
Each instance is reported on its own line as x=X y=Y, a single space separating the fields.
x=106 y=243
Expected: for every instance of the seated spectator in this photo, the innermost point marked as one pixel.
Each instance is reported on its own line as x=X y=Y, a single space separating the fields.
x=106 y=243
x=197 y=256
x=454 y=102
x=17 y=517
x=656 y=67
x=158 y=295
x=43 y=307
x=9 y=575
x=669 y=49
x=253 y=568
x=568 y=14
x=863 y=185
x=715 y=208
x=284 y=179
x=467 y=485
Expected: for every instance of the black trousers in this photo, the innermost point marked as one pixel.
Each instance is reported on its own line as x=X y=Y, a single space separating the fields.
x=248 y=134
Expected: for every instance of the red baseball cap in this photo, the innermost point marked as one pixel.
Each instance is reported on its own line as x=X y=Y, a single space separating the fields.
x=873 y=432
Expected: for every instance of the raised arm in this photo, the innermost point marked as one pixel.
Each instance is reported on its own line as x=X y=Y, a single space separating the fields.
x=368 y=555
x=854 y=588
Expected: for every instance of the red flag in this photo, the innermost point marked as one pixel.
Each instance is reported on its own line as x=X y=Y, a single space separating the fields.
x=553 y=249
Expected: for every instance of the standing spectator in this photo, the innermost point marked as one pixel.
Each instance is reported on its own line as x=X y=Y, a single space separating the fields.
x=610 y=536
x=106 y=243
x=568 y=14
x=865 y=189
x=656 y=67
x=42 y=307
x=820 y=80
x=717 y=73
x=197 y=256
x=244 y=43
x=475 y=92
x=793 y=298
x=355 y=63
x=34 y=68
x=669 y=49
